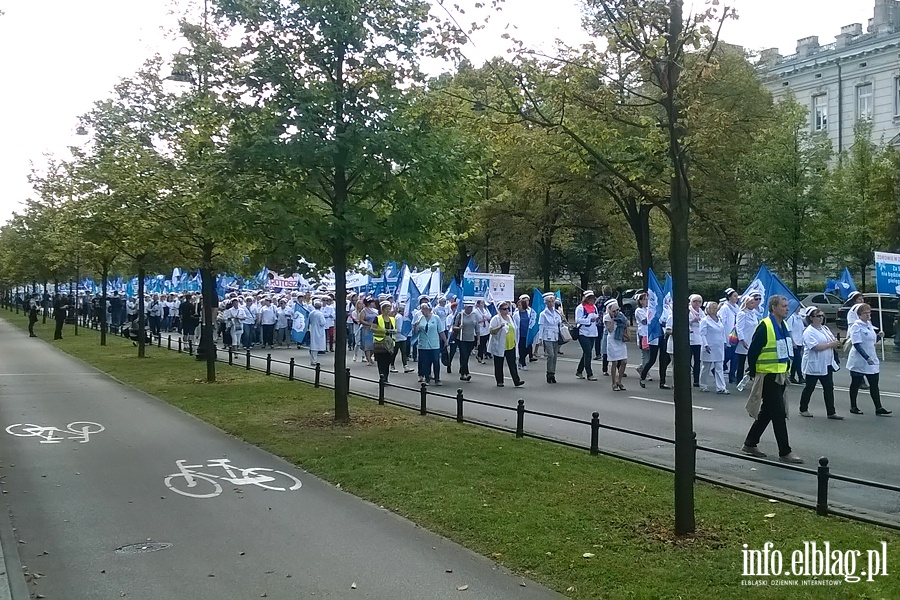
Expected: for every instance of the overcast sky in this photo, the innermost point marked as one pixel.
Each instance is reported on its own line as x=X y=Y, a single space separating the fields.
x=59 y=56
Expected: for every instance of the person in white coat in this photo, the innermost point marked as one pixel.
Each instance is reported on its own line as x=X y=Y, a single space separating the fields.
x=695 y=315
x=615 y=327
x=728 y=312
x=588 y=320
x=550 y=321
x=852 y=313
x=863 y=360
x=502 y=344
x=282 y=317
x=234 y=318
x=819 y=361
x=298 y=324
x=643 y=317
x=316 y=323
x=712 y=351
x=747 y=320
x=484 y=330
x=796 y=325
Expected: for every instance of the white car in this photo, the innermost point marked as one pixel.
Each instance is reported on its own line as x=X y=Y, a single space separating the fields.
x=827 y=303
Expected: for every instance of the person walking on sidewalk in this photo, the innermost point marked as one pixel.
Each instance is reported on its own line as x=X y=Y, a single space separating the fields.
x=615 y=326
x=465 y=328
x=863 y=360
x=59 y=314
x=315 y=322
x=769 y=356
x=712 y=354
x=383 y=330
x=819 y=362
x=32 y=315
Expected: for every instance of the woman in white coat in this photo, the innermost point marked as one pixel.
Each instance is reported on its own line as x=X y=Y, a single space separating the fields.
x=712 y=351
x=863 y=360
x=747 y=320
x=316 y=324
x=615 y=326
x=502 y=344
x=695 y=315
x=233 y=321
x=819 y=362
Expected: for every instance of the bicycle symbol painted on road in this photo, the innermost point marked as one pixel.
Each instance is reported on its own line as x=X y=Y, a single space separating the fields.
x=195 y=484
x=79 y=430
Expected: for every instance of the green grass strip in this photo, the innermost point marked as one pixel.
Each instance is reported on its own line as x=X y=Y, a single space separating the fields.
x=589 y=527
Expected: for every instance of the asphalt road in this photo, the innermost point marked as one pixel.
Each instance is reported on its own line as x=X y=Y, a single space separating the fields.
x=90 y=506
x=861 y=446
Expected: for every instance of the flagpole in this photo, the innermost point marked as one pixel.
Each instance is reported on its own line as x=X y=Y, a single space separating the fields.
x=881 y=326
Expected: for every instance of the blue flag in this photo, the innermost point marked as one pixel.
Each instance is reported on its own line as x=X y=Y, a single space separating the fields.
x=538 y=304
x=655 y=295
x=768 y=284
x=846 y=285
x=412 y=300
x=471 y=267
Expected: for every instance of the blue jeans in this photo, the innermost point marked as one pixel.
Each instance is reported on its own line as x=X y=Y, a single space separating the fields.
x=587 y=346
x=430 y=361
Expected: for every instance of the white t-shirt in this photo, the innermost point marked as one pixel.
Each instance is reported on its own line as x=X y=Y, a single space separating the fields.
x=863 y=333
x=817 y=362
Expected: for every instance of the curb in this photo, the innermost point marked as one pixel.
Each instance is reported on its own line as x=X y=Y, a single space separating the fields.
x=12 y=578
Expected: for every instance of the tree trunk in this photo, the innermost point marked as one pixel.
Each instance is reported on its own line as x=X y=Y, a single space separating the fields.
x=734 y=263
x=462 y=260
x=680 y=207
x=207 y=347
x=862 y=276
x=44 y=307
x=104 y=304
x=142 y=345
x=341 y=385
x=504 y=266
x=546 y=258
x=77 y=306
x=585 y=280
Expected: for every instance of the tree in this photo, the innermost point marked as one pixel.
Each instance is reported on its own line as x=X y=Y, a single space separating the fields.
x=789 y=176
x=347 y=149
x=863 y=202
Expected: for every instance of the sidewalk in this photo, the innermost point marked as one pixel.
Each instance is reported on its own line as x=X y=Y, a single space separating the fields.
x=103 y=510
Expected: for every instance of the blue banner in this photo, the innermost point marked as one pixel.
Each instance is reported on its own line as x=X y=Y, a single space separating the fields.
x=768 y=284
x=887 y=273
x=655 y=297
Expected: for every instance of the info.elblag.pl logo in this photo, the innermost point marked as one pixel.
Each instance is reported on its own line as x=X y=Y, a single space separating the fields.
x=829 y=566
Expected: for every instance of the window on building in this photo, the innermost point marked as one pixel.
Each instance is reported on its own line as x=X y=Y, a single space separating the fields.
x=864 y=105
x=897 y=95
x=820 y=112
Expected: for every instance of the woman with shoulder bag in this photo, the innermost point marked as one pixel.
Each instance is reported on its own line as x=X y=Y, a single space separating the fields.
x=587 y=318
x=863 y=360
x=551 y=324
x=616 y=326
x=818 y=361
x=383 y=331
x=502 y=345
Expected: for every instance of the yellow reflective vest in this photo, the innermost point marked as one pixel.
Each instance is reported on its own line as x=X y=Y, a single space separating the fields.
x=768 y=361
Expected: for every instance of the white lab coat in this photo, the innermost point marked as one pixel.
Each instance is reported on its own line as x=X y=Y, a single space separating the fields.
x=497 y=343
x=712 y=335
x=747 y=320
x=316 y=331
x=863 y=333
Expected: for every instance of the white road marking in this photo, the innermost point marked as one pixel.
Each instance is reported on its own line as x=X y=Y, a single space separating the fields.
x=669 y=402
x=188 y=477
x=77 y=430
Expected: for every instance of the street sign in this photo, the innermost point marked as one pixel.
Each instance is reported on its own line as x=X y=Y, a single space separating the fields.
x=887 y=273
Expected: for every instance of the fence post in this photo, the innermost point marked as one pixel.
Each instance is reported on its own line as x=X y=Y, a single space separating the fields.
x=159 y=341
x=179 y=344
x=230 y=356
x=269 y=363
x=248 y=359
x=520 y=419
x=348 y=378
x=381 y=384
x=291 y=370
x=423 y=399
x=318 y=374
x=459 y=405
x=822 y=497
x=191 y=346
x=595 y=434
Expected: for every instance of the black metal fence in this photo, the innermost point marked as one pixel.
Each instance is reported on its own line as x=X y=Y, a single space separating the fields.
x=822 y=473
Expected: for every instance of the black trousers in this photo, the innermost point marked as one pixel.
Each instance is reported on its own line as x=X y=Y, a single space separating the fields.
x=383 y=360
x=797 y=363
x=482 y=346
x=827 y=389
x=31 y=326
x=856 y=380
x=772 y=411
x=654 y=352
x=695 y=357
x=524 y=351
x=401 y=347
x=510 y=357
x=465 y=351
x=57 y=333
x=268 y=333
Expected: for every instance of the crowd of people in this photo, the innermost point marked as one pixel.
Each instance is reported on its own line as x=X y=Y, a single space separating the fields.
x=729 y=341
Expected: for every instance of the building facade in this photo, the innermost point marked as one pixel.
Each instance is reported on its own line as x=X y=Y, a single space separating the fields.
x=857 y=77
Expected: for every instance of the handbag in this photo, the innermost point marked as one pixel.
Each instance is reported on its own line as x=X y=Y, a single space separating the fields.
x=733 y=336
x=385 y=344
x=565 y=335
x=573 y=332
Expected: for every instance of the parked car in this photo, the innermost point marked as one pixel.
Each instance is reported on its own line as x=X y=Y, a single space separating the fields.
x=827 y=303
x=890 y=304
x=628 y=303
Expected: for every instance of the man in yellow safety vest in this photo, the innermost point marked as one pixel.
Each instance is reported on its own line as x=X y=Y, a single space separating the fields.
x=770 y=356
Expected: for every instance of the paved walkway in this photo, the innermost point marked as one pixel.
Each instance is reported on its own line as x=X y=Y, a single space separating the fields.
x=80 y=497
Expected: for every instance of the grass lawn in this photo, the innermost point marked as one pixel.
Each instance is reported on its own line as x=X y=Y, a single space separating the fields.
x=589 y=527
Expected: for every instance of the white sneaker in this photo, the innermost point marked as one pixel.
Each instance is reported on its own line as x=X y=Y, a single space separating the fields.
x=355 y=358
x=394 y=370
x=703 y=388
x=723 y=392
x=523 y=367
x=408 y=369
